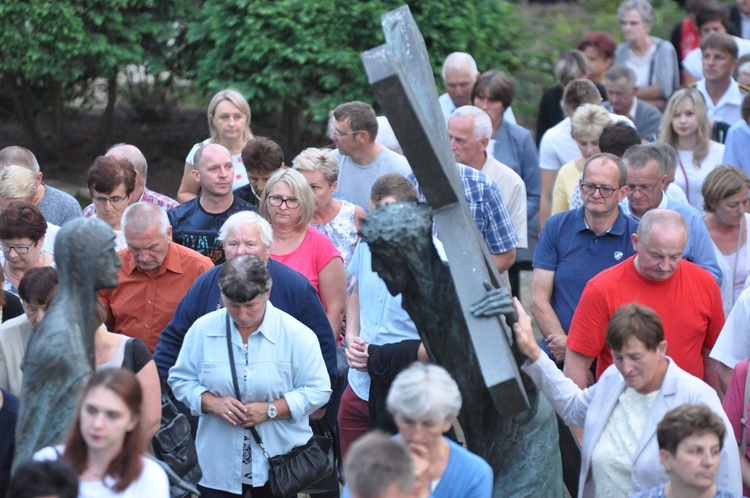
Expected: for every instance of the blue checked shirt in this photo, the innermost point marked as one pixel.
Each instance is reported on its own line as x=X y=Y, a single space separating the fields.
x=487 y=207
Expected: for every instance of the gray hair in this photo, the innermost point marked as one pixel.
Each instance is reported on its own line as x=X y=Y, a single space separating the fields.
x=459 y=60
x=424 y=391
x=238 y=220
x=618 y=73
x=642 y=7
x=314 y=159
x=141 y=216
x=638 y=156
x=375 y=462
x=482 y=122
x=664 y=218
x=744 y=68
x=669 y=156
x=17 y=182
x=570 y=65
x=20 y=156
x=244 y=278
x=132 y=154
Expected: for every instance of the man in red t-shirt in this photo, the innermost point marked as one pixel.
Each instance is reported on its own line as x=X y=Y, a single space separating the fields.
x=685 y=296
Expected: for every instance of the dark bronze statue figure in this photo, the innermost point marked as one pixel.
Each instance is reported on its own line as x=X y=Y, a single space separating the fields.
x=60 y=355
x=522 y=450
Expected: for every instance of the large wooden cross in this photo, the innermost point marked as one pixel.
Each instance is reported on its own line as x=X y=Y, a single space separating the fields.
x=401 y=77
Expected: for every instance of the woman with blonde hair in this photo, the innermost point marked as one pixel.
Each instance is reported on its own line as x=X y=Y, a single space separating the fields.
x=586 y=126
x=685 y=126
x=288 y=204
x=229 y=123
x=337 y=218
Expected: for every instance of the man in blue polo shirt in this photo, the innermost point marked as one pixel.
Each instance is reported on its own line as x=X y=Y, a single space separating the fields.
x=576 y=245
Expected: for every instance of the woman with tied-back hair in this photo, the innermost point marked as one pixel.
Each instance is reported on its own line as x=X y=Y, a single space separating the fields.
x=569 y=65
x=654 y=60
x=337 y=218
x=685 y=126
x=105 y=445
x=229 y=123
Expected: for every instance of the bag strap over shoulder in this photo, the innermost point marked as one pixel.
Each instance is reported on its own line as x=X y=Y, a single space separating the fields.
x=230 y=351
x=127 y=360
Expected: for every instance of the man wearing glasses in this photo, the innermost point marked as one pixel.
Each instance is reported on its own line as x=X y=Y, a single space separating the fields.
x=361 y=159
x=576 y=245
x=647 y=180
x=196 y=223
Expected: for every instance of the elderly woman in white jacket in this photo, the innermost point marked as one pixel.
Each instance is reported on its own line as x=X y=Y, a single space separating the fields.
x=619 y=414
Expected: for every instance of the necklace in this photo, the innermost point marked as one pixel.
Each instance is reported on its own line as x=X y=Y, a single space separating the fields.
x=7 y=266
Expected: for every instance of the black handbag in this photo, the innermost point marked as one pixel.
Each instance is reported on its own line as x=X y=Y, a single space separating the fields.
x=174 y=447
x=308 y=468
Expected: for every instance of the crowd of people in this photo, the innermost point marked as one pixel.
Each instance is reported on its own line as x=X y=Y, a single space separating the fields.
x=251 y=301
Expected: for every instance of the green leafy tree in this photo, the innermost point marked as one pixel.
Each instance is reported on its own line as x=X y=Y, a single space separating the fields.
x=53 y=50
x=295 y=60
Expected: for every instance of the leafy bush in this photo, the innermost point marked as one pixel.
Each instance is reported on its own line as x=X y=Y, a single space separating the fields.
x=295 y=60
x=552 y=29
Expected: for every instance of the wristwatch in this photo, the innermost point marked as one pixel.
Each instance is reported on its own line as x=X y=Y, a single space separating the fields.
x=272 y=411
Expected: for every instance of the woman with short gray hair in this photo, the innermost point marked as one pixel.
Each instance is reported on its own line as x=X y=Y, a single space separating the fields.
x=273 y=380
x=425 y=400
x=654 y=60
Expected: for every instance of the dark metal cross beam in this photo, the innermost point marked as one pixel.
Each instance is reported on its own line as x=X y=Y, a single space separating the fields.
x=401 y=77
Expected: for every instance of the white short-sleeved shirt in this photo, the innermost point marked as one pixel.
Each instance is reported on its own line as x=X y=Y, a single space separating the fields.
x=558 y=147
x=152 y=482
x=690 y=177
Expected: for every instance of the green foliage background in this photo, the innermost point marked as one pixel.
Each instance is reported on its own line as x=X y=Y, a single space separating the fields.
x=298 y=59
x=295 y=60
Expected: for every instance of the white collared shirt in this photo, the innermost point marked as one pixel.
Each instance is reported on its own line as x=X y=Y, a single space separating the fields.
x=728 y=107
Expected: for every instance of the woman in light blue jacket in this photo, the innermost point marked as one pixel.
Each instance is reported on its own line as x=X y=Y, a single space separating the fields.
x=280 y=372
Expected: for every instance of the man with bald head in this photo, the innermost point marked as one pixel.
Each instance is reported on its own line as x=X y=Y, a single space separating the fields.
x=140 y=193
x=196 y=223
x=459 y=75
x=685 y=296
x=56 y=206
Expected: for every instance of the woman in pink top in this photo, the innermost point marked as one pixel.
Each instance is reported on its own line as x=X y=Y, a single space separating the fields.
x=288 y=204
